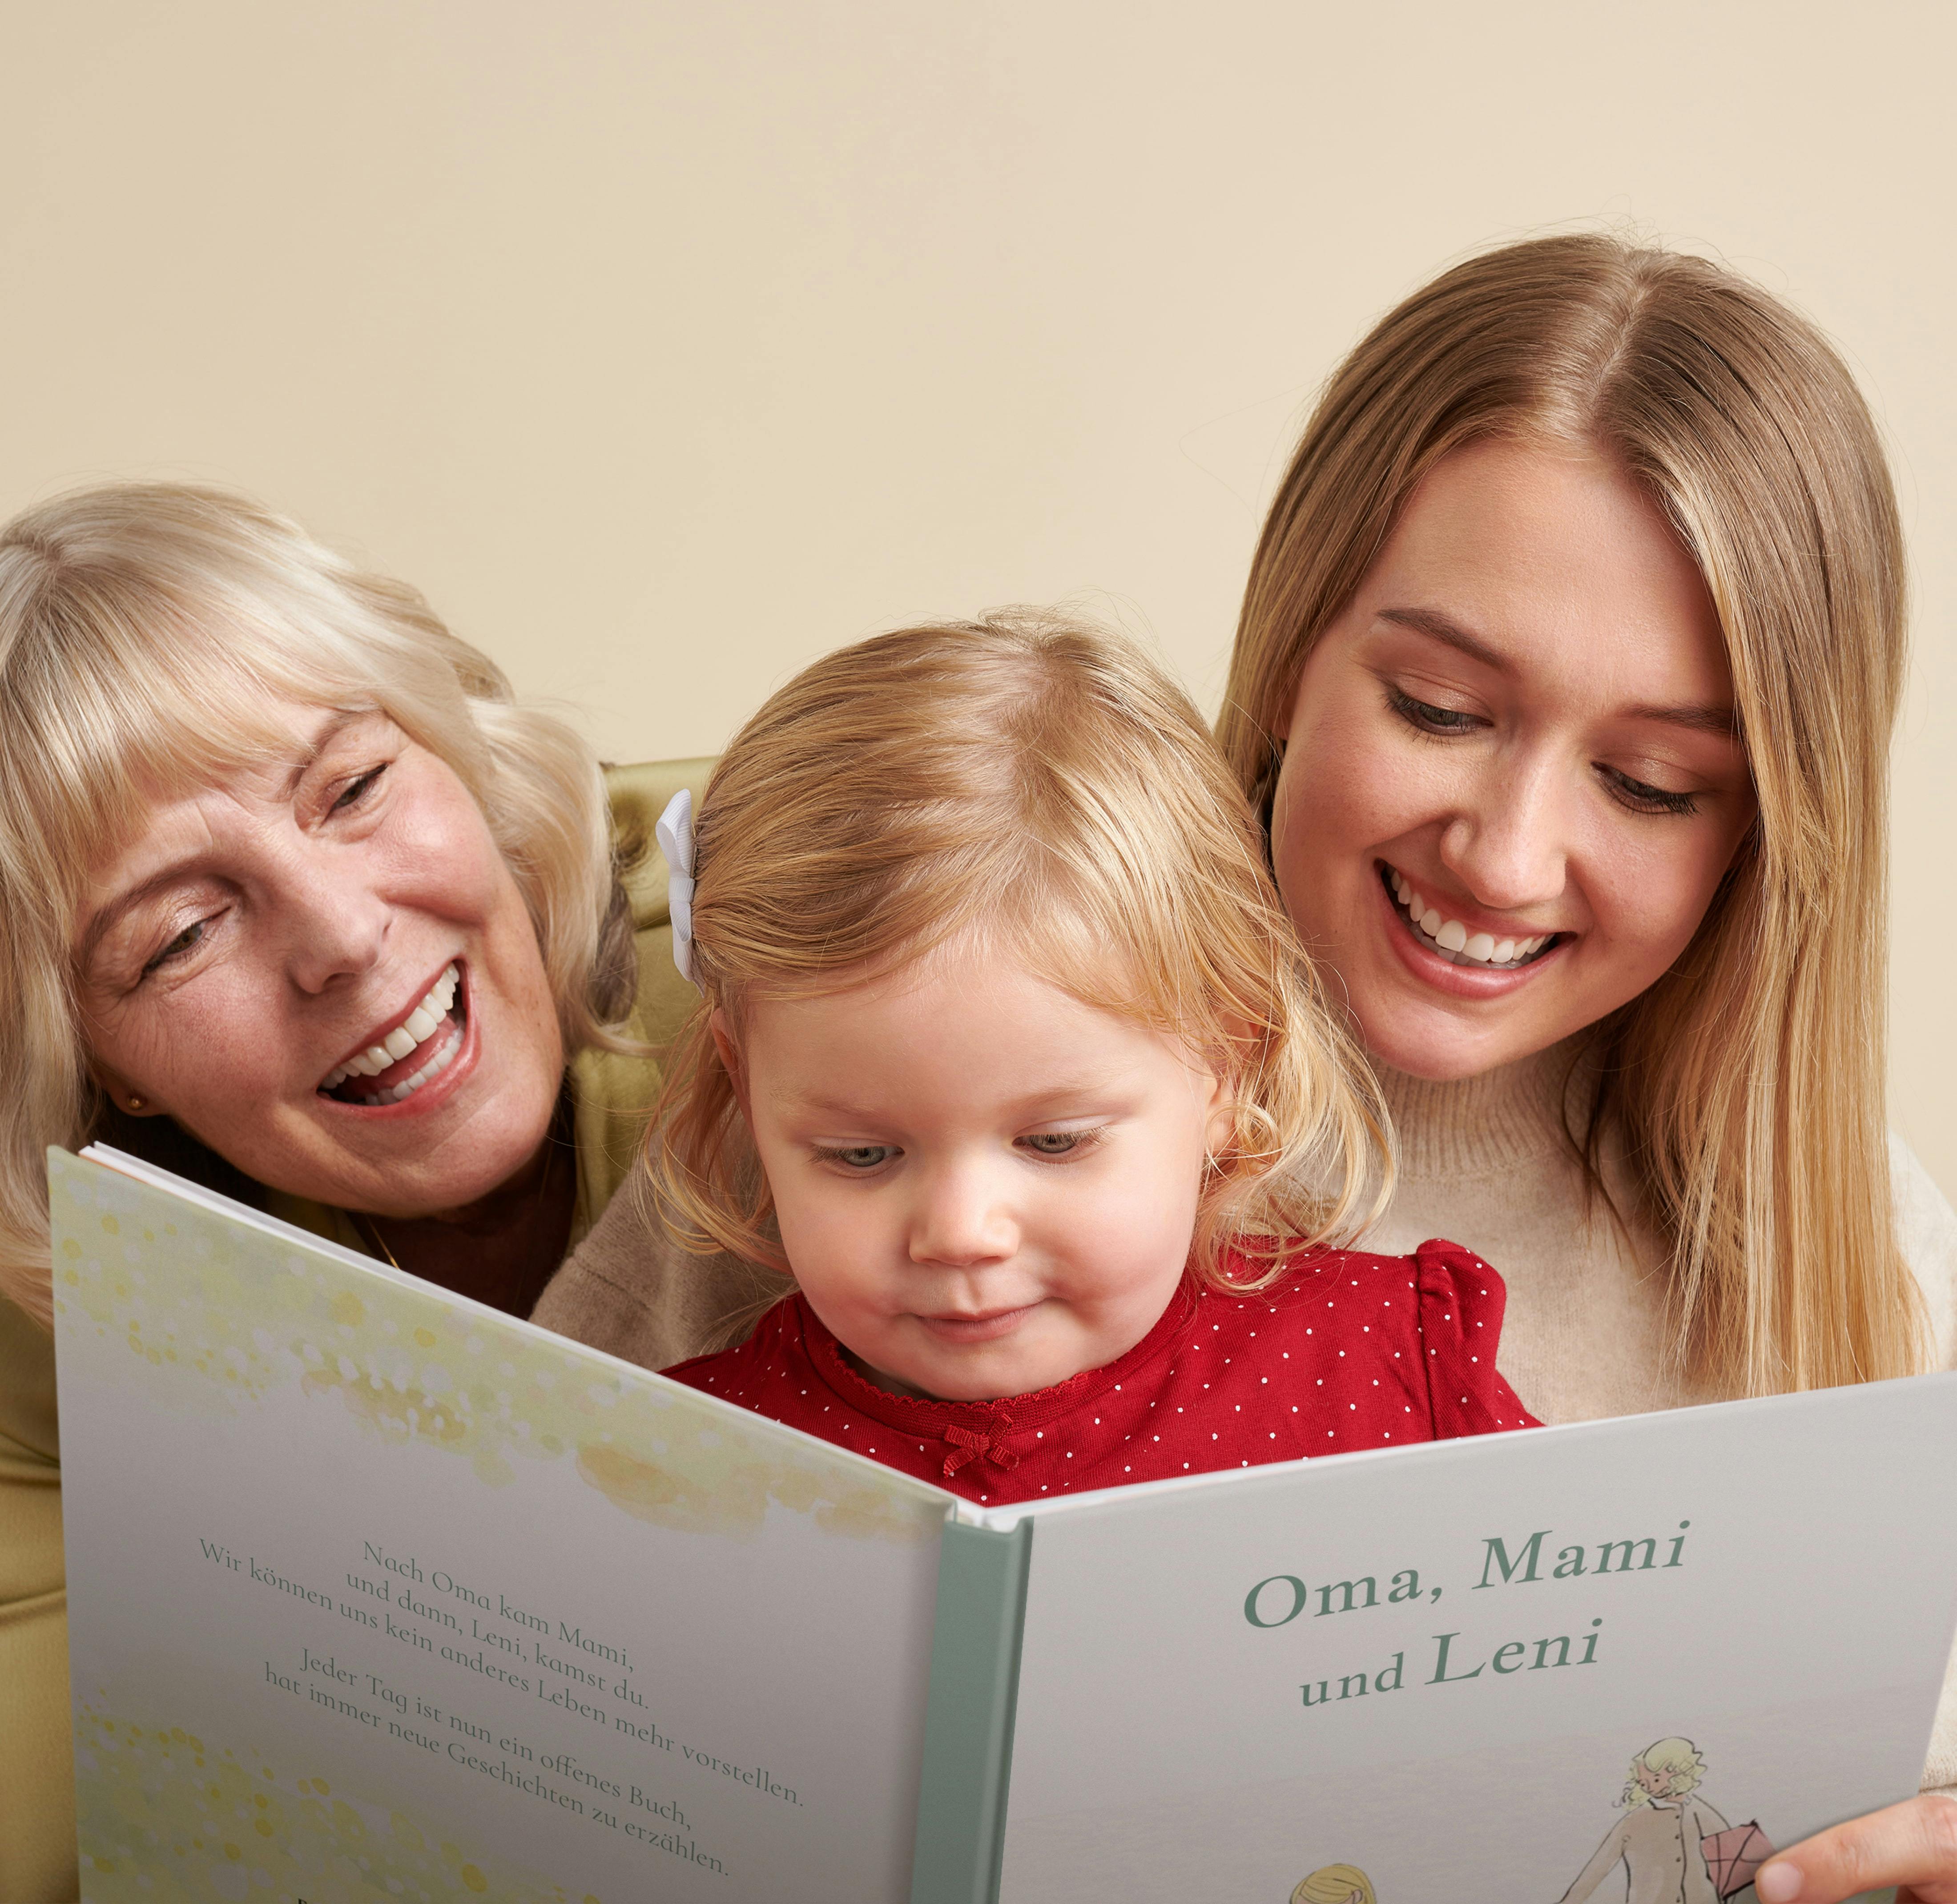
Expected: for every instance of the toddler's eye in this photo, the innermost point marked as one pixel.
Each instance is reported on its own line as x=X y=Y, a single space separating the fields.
x=1059 y=1143
x=858 y=1157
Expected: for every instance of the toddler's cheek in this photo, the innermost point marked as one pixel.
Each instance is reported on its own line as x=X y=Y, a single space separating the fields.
x=828 y=1242
x=1146 y=1224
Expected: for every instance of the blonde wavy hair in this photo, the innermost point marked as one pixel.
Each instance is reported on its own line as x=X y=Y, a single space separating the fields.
x=1040 y=787
x=1748 y=1082
x=148 y=633
x=1681 y=1762
x=1334 y=1884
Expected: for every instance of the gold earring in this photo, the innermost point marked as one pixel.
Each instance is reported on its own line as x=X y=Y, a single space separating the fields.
x=136 y=1103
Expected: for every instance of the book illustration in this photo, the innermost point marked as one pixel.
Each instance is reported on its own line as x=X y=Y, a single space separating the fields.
x=415 y=1366
x=1335 y=1884
x=1673 y=1843
x=1733 y=1856
x=173 y=1819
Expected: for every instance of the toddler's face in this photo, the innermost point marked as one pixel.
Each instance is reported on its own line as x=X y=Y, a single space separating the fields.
x=983 y=1186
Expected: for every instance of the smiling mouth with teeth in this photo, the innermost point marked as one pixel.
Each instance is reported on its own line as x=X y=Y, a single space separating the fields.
x=1448 y=939
x=426 y=1042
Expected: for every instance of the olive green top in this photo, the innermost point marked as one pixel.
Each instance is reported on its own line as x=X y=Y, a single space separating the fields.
x=36 y=1782
x=610 y=1100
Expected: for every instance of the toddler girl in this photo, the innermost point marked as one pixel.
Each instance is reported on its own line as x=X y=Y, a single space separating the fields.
x=1054 y=1131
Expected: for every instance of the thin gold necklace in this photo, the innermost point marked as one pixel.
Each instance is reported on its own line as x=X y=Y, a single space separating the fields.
x=379 y=1242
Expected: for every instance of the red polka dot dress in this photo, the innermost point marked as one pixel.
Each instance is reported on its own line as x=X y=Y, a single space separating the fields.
x=1347 y=1352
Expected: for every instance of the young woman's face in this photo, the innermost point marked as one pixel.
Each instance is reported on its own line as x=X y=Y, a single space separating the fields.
x=983 y=1186
x=322 y=968
x=1512 y=782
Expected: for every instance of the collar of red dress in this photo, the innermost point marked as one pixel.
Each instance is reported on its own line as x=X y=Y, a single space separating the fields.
x=981 y=1430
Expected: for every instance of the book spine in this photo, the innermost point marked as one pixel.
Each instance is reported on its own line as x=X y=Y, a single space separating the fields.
x=967 y=1736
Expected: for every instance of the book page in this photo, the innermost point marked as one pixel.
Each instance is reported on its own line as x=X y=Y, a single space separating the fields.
x=1434 y=1667
x=375 y=1592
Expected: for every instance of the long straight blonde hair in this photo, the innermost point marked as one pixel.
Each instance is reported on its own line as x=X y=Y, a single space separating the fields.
x=1748 y=1082
x=147 y=634
x=1044 y=788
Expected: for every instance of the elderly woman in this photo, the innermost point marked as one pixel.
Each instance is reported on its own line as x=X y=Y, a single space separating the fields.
x=295 y=902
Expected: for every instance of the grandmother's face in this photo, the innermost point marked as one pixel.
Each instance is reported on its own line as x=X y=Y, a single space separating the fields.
x=321 y=967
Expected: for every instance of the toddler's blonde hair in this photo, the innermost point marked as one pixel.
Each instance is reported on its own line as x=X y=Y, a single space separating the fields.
x=1040 y=787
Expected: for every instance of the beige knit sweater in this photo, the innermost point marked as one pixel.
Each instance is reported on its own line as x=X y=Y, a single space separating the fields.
x=1483 y=1163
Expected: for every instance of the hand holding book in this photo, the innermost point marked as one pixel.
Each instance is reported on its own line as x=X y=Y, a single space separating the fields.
x=1912 y=1845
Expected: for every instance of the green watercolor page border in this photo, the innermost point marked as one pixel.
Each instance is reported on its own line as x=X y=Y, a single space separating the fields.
x=982 y=1574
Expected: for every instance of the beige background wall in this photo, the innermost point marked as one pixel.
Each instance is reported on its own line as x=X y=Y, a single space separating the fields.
x=666 y=345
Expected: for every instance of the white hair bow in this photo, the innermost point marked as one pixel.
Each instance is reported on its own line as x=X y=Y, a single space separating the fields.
x=675 y=837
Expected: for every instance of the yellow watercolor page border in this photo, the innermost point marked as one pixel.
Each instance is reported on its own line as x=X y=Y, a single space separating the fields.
x=215 y=1313
x=166 y=1818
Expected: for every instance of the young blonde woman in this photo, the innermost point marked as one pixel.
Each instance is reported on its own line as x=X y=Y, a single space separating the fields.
x=1565 y=679
x=295 y=900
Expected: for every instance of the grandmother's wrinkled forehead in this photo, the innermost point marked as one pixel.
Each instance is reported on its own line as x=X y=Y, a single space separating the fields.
x=154 y=809
x=251 y=740
x=95 y=750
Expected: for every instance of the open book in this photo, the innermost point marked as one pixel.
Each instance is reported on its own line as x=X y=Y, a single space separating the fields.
x=376 y=1593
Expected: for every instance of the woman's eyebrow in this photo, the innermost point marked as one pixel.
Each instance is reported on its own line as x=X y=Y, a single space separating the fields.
x=1721 y=721
x=316 y=744
x=1700 y=718
x=1444 y=628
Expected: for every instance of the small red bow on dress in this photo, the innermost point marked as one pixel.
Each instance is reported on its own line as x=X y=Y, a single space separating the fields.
x=970 y=1444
